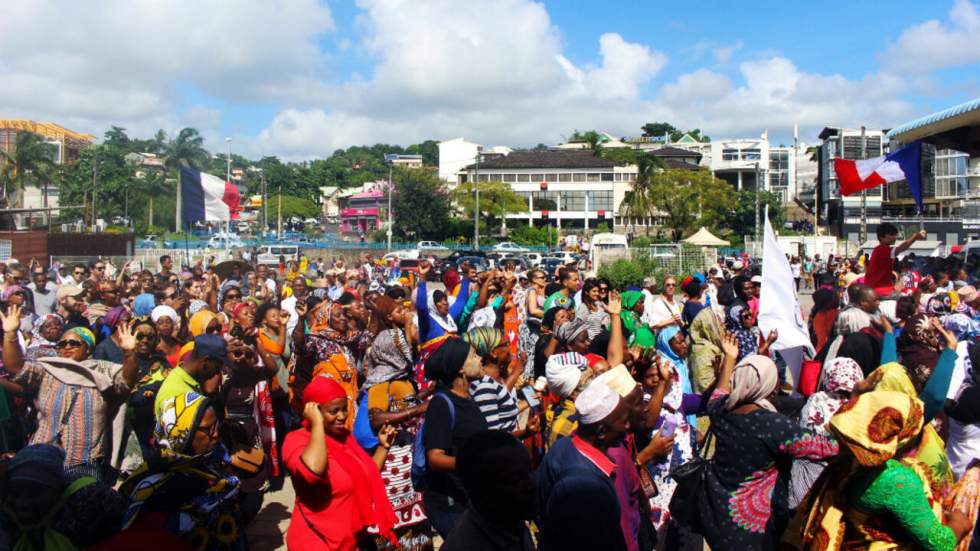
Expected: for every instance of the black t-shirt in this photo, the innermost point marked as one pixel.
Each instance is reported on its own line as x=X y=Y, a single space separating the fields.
x=442 y=434
x=540 y=360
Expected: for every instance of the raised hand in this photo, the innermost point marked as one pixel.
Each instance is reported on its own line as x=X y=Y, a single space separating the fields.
x=11 y=320
x=951 y=341
x=311 y=412
x=729 y=344
x=615 y=305
x=773 y=335
x=127 y=336
x=386 y=435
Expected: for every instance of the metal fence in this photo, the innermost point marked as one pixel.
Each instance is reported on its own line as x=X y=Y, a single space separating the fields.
x=670 y=258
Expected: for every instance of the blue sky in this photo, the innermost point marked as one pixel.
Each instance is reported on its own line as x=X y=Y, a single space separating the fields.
x=300 y=78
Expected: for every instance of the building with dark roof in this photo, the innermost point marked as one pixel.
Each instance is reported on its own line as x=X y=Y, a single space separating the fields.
x=570 y=188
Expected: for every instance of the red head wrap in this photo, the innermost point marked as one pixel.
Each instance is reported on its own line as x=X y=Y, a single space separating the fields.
x=322 y=390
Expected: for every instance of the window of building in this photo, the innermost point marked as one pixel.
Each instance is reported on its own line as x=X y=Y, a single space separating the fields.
x=523 y=177
x=600 y=200
x=545 y=200
x=564 y=177
x=751 y=154
x=537 y=177
x=551 y=177
x=509 y=177
x=607 y=177
x=594 y=177
x=578 y=177
x=484 y=177
x=729 y=154
x=573 y=200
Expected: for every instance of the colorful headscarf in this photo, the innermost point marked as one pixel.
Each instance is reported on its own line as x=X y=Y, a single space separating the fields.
x=196 y=306
x=754 y=379
x=918 y=347
x=199 y=322
x=570 y=330
x=178 y=421
x=114 y=316
x=38 y=323
x=143 y=304
x=876 y=425
x=839 y=378
x=962 y=326
x=10 y=291
x=679 y=363
x=485 y=339
x=638 y=334
x=85 y=335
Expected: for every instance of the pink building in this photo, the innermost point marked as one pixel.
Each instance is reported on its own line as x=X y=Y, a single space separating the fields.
x=363 y=212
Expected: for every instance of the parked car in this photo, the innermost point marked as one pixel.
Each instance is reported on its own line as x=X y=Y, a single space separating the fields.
x=269 y=254
x=409 y=265
x=509 y=247
x=550 y=263
x=431 y=246
x=533 y=258
x=225 y=241
x=477 y=262
x=151 y=242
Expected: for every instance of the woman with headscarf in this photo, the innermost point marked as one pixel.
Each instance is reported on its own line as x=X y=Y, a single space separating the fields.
x=108 y=348
x=493 y=392
x=871 y=497
x=826 y=303
x=741 y=323
x=43 y=508
x=330 y=342
x=706 y=333
x=204 y=321
x=438 y=321
x=339 y=492
x=744 y=504
x=187 y=489
x=839 y=380
x=44 y=337
x=636 y=332
x=919 y=348
x=673 y=348
x=451 y=418
x=168 y=323
x=547 y=343
x=389 y=398
x=76 y=396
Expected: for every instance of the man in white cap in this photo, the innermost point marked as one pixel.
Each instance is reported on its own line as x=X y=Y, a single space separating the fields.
x=567 y=374
x=579 y=507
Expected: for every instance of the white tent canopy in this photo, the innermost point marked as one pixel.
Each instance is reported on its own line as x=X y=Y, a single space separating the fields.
x=704 y=238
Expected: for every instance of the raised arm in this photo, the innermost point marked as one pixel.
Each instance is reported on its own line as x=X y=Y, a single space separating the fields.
x=933 y=395
x=617 y=342
x=921 y=234
x=315 y=454
x=729 y=345
x=13 y=357
x=456 y=310
x=127 y=341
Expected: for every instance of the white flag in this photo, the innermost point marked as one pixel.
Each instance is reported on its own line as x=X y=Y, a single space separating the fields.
x=779 y=306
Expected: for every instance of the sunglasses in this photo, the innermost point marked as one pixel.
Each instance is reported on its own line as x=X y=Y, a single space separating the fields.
x=79 y=273
x=145 y=336
x=670 y=285
x=100 y=268
x=211 y=329
x=68 y=343
x=232 y=297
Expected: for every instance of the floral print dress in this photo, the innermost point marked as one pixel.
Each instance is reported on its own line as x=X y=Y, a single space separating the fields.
x=746 y=500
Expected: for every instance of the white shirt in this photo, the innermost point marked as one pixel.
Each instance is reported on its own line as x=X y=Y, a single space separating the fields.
x=663 y=310
x=648 y=299
x=289 y=305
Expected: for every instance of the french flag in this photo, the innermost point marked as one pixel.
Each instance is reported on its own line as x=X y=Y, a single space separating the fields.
x=206 y=197
x=903 y=164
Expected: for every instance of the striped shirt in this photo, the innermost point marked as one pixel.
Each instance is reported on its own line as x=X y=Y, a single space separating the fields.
x=496 y=403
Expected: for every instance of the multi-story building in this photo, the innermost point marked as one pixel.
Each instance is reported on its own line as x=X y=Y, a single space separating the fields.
x=845 y=217
x=570 y=188
x=67 y=146
x=407 y=161
x=458 y=153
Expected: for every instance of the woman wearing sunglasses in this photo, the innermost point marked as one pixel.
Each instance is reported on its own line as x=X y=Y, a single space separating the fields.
x=74 y=393
x=153 y=369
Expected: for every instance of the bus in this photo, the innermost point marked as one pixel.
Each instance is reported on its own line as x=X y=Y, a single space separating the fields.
x=607 y=246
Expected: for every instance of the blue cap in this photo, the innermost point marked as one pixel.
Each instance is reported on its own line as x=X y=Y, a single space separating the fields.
x=209 y=346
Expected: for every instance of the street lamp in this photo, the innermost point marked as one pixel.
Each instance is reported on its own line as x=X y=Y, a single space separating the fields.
x=390 y=159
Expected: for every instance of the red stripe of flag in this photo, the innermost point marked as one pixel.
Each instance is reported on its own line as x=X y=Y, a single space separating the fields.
x=850 y=181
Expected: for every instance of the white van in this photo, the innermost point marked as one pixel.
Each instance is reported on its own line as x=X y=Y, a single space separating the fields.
x=604 y=243
x=269 y=254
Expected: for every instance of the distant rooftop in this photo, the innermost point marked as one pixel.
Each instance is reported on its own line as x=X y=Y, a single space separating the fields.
x=564 y=158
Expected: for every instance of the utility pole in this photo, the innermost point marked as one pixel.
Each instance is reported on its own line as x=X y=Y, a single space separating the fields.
x=864 y=192
x=758 y=184
x=390 y=158
x=476 y=210
x=95 y=185
x=228 y=182
x=279 y=216
x=265 y=206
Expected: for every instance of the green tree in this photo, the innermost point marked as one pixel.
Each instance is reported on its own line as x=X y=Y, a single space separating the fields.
x=186 y=148
x=530 y=235
x=497 y=200
x=658 y=129
x=292 y=207
x=688 y=199
x=421 y=205
x=29 y=162
x=742 y=222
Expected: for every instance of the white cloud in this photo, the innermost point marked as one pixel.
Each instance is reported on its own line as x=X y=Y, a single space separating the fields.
x=129 y=61
x=625 y=68
x=723 y=54
x=934 y=44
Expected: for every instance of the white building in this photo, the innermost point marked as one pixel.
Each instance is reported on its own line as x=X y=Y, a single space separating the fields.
x=569 y=188
x=458 y=153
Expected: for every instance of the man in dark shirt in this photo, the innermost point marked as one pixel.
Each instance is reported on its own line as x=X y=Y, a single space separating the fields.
x=452 y=366
x=579 y=507
x=496 y=470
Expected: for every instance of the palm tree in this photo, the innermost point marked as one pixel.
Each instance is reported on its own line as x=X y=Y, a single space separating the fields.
x=639 y=202
x=187 y=149
x=30 y=159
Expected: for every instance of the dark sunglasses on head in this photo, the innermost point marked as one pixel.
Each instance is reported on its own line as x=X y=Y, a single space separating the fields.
x=68 y=343
x=233 y=297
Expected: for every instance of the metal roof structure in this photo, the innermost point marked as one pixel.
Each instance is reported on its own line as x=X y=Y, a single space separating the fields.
x=955 y=128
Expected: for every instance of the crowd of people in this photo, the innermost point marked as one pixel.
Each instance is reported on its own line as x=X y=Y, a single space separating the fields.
x=491 y=410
